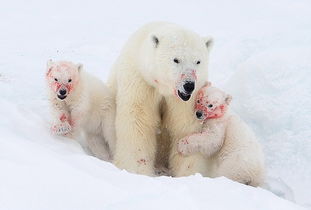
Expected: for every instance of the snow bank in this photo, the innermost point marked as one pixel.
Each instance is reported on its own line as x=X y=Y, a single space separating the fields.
x=39 y=171
x=272 y=92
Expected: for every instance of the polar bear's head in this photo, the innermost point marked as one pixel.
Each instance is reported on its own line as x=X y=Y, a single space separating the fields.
x=62 y=77
x=211 y=103
x=175 y=60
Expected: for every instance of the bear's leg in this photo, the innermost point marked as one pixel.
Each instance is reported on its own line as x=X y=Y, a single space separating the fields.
x=61 y=122
x=109 y=131
x=207 y=142
x=136 y=144
x=136 y=124
x=98 y=146
x=236 y=167
x=187 y=165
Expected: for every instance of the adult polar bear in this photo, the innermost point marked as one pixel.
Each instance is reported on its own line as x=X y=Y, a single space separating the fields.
x=160 y=59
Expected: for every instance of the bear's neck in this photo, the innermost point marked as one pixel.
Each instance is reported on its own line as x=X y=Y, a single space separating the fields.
x=179 y=117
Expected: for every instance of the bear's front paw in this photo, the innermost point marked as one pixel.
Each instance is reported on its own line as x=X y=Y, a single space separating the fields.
x=61 y=129
x=184 y=147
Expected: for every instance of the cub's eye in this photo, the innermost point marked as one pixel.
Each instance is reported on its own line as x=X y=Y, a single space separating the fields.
x=198 y=62
x=198 y=101
x=176 y=60
x=69 y=80
x=210 y=106
x=55 y=79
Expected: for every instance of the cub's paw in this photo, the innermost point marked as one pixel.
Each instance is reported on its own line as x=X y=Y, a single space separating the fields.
x=61 y=129
x=184 y=147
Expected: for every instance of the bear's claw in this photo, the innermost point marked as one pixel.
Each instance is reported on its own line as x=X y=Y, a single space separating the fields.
x=61 y=129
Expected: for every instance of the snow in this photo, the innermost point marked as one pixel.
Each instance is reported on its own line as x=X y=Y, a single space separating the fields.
x=261 y=56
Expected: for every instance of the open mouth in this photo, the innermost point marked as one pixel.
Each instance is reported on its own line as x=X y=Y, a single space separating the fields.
x=184 y=96
x=61 y=97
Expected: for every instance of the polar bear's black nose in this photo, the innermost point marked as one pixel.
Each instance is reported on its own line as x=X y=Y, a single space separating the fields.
x=199 y=114
x=189 y=87
x=62 y=92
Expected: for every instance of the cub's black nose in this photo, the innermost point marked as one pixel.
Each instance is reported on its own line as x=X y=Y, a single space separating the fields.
x=199 y=114
x=189 y=87
x=62 y=92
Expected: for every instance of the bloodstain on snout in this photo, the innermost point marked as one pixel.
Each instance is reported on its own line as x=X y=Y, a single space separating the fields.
x=194 y=74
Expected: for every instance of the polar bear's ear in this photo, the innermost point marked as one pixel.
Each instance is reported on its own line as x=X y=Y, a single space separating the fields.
x=49 y=63
x=228 y=99
x=155 y=40
x=80 y=67
x=208 y=42
x=207 y=84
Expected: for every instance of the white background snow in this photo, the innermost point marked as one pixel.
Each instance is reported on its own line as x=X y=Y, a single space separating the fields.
x=262 y=56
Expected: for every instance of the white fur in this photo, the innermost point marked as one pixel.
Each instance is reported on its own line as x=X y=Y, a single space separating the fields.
x=228 y=143
x=89 y=108
x=142 y=75
x=179 y=121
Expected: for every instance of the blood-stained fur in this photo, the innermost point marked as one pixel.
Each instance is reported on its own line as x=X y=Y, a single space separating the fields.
x=80 y=104
x=228 y=144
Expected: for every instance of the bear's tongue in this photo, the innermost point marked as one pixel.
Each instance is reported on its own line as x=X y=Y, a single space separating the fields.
x=184 y=96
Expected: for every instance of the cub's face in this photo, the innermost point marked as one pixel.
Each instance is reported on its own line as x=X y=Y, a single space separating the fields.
x=179 y=63
x=211 y=103
x=62 y=77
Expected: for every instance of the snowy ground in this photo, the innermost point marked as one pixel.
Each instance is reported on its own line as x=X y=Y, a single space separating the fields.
x=262 y=56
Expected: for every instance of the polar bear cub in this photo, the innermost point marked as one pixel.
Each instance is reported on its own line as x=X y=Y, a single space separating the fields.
x=82 y=104
x=225 y=140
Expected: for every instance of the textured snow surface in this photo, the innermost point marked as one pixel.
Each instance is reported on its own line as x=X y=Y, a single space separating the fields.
x=261 y=56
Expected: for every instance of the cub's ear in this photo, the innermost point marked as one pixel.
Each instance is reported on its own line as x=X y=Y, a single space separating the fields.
x=228 y=99
x=80 y=67
x=200 y=94
x=49 y=63
x=207 y=84
x=208 y=42
x=155 y=40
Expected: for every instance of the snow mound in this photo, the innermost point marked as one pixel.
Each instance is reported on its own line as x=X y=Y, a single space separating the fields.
x=273 y=94
x=39 y=171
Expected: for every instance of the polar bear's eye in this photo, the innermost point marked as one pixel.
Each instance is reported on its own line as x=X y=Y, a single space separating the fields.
x=55 y=79
x=210 y=106
x=69 y=80
x=198 y=62
x=198 y=101
x=176 y=60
